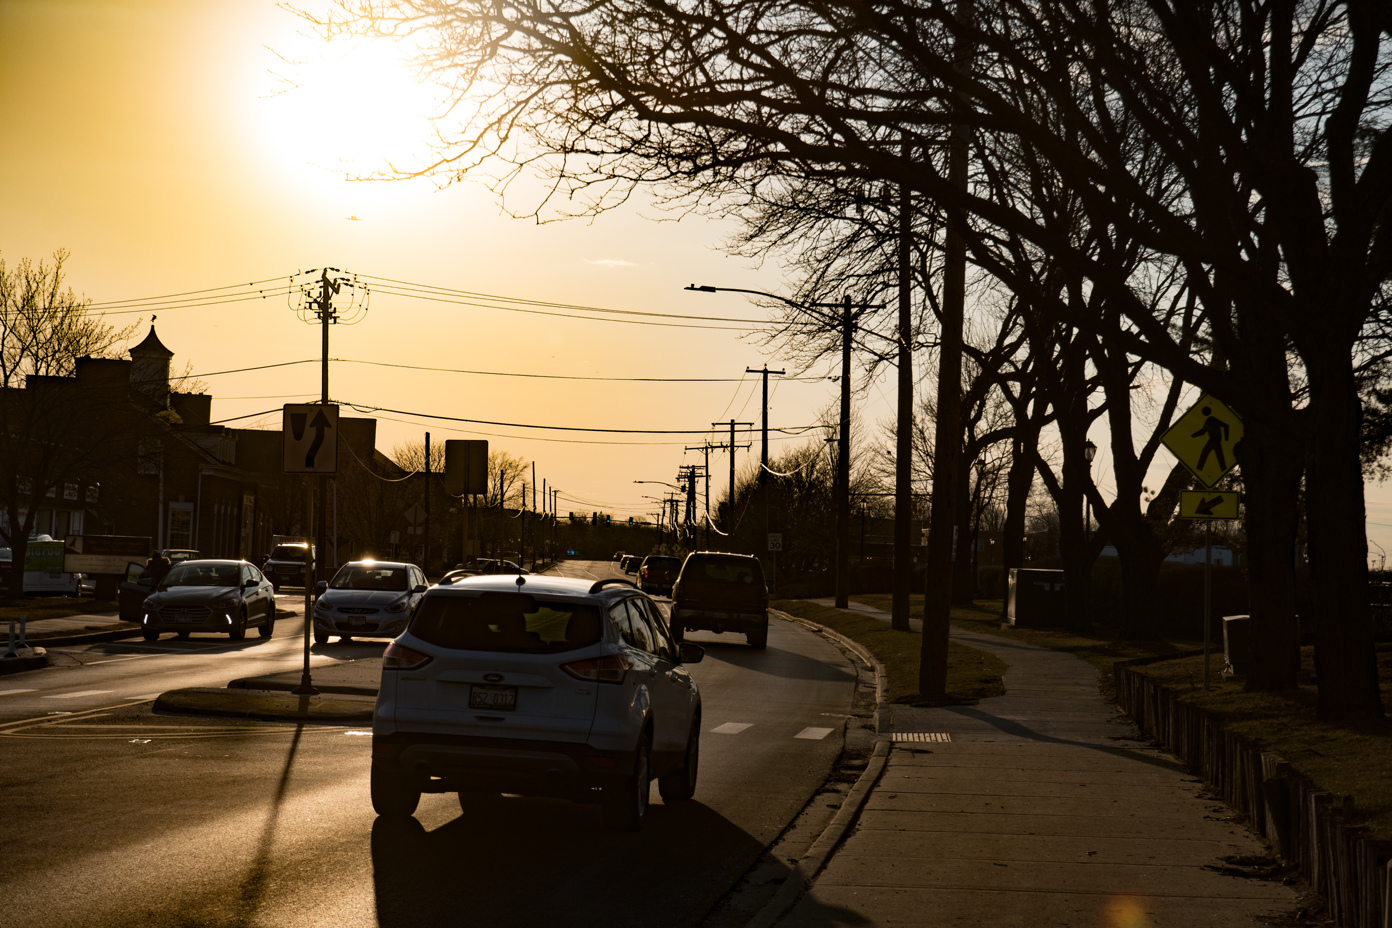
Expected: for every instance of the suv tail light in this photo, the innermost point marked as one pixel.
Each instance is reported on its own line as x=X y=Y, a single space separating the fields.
x=399 y=657
x=608 y=669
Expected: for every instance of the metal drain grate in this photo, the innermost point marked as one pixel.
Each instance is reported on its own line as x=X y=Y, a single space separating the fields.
x=923 y=736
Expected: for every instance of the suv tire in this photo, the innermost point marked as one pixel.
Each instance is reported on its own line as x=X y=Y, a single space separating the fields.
x=680 y=784
x=624 y=802
x=395 y=792
x=758 y=637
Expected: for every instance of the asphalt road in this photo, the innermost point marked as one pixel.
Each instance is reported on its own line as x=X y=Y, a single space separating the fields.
x=119 y=817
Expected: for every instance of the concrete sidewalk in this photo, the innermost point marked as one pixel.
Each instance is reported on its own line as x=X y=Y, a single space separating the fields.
x=1037 y=808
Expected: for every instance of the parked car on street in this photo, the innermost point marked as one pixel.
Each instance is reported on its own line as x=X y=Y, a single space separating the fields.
x=210 y=595
x=367 y=599
x=542 y=686
x=721 y=593
x=657 y=573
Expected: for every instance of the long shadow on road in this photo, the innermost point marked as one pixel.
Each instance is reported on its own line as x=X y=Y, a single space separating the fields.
x=526 y=862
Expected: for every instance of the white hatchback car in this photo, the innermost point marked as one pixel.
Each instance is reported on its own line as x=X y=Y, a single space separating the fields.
x=536 y=685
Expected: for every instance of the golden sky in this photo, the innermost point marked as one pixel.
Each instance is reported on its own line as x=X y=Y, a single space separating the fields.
x=156 y=140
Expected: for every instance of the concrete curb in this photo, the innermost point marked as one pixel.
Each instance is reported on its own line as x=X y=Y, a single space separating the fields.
x=267 y=706
x=114 y=633
x=270 y=683
x=30 y=658
x=806 y=869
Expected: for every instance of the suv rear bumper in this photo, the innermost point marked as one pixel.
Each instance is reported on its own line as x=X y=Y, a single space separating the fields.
x=466 y=763
x=717 y=620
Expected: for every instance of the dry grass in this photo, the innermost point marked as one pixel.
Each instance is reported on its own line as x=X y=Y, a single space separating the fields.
x=1100 y=647
x=51 y=607
x=971 y=674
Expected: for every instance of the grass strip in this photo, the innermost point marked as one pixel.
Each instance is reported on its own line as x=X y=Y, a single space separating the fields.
x=51 y=607
x=972 y=674
x=1099 y=647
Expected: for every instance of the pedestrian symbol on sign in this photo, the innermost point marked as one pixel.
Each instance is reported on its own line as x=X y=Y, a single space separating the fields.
x=1207 y=439
x=1217 y=431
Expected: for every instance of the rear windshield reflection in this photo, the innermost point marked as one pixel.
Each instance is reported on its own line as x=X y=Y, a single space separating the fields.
x=510 y=622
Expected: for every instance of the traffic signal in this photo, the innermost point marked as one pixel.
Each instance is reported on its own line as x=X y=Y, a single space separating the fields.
x=630 y=521
x=608 y=520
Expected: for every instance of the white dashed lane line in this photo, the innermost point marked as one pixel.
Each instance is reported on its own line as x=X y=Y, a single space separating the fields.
x=729 y=728
x=78 y=694
x=813 y=734
x=13 y=692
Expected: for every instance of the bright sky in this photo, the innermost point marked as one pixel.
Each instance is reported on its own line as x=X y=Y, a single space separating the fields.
x=147 y=137
x=157 y=142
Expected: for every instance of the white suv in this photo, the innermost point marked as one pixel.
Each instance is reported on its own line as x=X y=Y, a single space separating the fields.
x=542 y=686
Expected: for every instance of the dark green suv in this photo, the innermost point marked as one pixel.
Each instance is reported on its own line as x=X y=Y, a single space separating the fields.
x=721 y=593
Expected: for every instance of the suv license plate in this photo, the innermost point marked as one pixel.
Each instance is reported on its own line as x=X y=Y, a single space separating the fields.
x=482 y=696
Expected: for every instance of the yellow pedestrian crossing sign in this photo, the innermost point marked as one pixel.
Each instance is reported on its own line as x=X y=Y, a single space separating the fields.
x=1206 y=439
x=1210 y=505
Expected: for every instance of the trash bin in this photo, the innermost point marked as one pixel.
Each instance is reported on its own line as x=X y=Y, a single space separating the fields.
x=1034 y=598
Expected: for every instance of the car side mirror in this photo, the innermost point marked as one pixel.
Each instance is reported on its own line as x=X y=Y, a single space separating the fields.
x=249 y=582
x=321 y=586
x=692 y=653
x=419 y=588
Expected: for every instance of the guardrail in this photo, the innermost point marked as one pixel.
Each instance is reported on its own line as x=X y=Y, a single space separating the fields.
x=1308 y=827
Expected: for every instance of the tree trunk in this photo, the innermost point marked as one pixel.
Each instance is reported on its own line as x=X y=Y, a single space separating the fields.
x=1271 y=471
x=1139 y=553
x=1345 y=657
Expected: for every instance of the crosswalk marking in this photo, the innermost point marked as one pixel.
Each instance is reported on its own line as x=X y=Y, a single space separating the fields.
x=729 y=728
x=78 y=694
x=813 y=734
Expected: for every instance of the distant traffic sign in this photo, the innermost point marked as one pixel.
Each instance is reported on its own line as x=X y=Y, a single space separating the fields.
x=1209 y=505
x=466 y=466
x=775 y=541
x=1205 y=439
x=310 y=431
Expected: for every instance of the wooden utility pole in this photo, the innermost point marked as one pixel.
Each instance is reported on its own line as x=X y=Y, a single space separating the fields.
x=903 y=434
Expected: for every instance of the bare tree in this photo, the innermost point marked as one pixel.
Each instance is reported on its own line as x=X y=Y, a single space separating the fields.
x=51 y=430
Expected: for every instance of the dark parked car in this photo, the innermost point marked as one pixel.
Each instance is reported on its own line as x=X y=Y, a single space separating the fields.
x=721 y=593
x=210 y=596
x=657 y=573
x=367 y=599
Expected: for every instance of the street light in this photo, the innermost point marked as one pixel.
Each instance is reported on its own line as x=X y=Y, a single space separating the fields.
x=850 y=312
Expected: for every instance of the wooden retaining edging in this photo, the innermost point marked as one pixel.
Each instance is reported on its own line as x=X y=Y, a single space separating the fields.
x=1307 y=826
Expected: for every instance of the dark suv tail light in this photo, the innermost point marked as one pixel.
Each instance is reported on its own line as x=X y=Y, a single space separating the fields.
x=608 y=669
x=399 y=657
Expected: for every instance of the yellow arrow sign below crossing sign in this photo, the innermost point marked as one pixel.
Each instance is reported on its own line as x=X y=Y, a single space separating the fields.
x=1212 y=505
x=1205 y=439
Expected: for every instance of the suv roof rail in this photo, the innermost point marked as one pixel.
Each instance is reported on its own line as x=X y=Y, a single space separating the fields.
x=611 y=581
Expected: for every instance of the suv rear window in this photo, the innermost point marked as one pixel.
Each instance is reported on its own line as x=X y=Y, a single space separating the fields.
x=673 y=562
x=723 y=570
x=516 y=623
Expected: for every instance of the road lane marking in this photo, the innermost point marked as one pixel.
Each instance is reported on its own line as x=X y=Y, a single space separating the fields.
x=12 y=692
x=813 y=734
x=78 y=694
x=729 y=728
x=145 y=697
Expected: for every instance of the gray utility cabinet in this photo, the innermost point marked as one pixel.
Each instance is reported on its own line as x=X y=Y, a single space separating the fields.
x=1035 y=598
